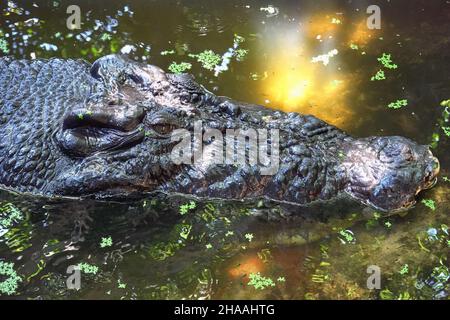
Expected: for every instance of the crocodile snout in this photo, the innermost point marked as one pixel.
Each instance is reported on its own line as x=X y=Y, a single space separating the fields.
x=91 y=129
x=123 y=117
x=432 y=173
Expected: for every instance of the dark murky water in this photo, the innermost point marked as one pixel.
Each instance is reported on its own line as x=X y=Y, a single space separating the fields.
x=210 y=251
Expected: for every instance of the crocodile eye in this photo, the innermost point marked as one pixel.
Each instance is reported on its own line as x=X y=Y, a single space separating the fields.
x=185 y=98
x=408 y=155
x=163 y=122
x=163 y=128
x=188 y=98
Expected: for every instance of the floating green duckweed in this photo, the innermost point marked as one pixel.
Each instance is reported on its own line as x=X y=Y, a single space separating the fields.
x=379 y=76
x=167 y=52
x=208 y=58
x=386 y=294
x=4 y=46
x=179 y=67
x=347 y=236
x=249 y=237
x=386 y=61
x=106 y=242
x=429 y=203
x=260 y=282
x=405 y=269
x=87 y=268
x=105 y=37
x=11 y=283
x=120 y=284
x=398 y=104
x=445 y=103
x=446 y=131
x=184 y=208
x=9 y=214
x=241 y=54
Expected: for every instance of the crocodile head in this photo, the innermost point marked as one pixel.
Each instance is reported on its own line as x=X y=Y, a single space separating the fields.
x=110 y=129
x=118 y=141
x=388 y=172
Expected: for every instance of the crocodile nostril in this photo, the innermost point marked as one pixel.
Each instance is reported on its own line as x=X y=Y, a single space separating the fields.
x=434 y=168
x=432 y=172
x=436 y=165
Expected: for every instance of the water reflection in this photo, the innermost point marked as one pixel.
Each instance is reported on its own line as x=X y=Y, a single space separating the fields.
x=306 y=61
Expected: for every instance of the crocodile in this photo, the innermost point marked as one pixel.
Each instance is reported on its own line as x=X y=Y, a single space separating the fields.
x=108 y=130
